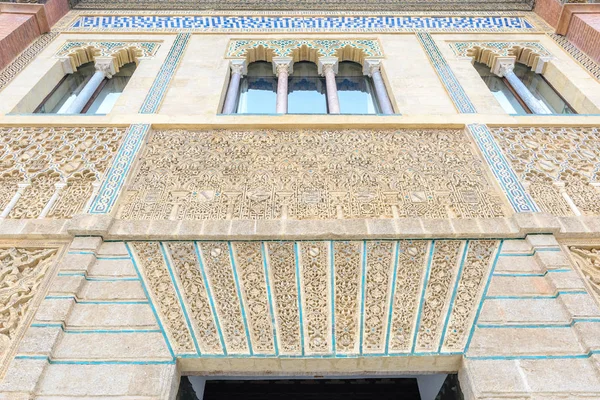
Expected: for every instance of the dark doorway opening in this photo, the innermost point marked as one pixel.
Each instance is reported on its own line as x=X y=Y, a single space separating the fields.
x=316 y=389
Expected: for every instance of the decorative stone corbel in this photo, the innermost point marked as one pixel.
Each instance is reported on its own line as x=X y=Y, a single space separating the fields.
x=67 y=64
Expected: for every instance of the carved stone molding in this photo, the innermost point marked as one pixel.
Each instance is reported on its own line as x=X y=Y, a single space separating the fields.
x=39 y=158
x=307 y=174
x=532 y=54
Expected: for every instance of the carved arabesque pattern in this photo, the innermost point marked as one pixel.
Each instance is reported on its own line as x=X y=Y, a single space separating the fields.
x=380 y=262
x=192 y=175
x=412 y=260
x=587 y=259
x=46 y=156
x=316 y=302
x=470 y=286
x=553 y=160
x=282 y=273
x=444 y=267
x=348 y=272
x=161 y=287
x=194 y=291
x=249 y=262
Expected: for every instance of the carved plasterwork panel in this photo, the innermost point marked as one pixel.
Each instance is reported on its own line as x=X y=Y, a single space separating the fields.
x=195 y=175
x=41 y=158
x=26 y=269
x=354 y=50
x=556 y=165
x=466 y=49
x=587 y=259
x=316 y=298
x=123 y=52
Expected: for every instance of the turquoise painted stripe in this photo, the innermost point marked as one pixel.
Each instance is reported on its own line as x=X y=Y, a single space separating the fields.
x=533 y=357
x=81 y=252
x=103 y=362
x=332 y=293
x=210 y=297
x=110 y=331
x=454 y=293
x=241 y=300
x=269 y=297
x=483 y=295
x=542 y=250
x=362 y=296
x=97 y=279
x=532 y=274
x=179 y=297
x=158 y=321
x=113 y=258
x=95 y=301
x=298 y=288
x=392 y=295
x=422 y=300
x=537 y=297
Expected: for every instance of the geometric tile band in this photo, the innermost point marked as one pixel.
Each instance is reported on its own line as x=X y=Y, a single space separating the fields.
x=115 y=178
x=459 y=97
x=286 y=47
x=510 y=184
x=316 y=298
x=199 y=23
x=161 y=84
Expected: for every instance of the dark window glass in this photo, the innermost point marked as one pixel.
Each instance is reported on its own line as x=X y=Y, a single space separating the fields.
x=306 y=90
x=110 y=91
x=67 y=90
x=500 y=90
x=542 y=90
x=355 y=90
x=258 y=90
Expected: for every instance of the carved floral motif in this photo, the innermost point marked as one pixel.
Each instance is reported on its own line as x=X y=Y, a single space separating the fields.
x=587 y=259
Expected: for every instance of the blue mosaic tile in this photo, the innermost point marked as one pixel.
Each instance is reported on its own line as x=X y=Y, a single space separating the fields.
x=277 y=23
x=115 y=178
x=510 y=184
x=459 y=97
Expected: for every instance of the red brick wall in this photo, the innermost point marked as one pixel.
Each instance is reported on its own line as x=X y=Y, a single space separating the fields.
x=16 y=32
x=584 y=33
x=549 y=10
x=55 y=10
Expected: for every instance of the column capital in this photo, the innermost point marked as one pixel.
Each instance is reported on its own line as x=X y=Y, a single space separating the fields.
x=371 y=65
x=327 y=62
x=106 y=65
x=239 y=66
x=503 y=65
x=283 y=64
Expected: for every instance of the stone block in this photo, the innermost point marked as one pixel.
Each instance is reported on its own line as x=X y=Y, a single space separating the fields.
x=113 y=268
x=22 y=376
x=497 y=227
x=112 y=316
x=54 y=310
x=115 y=290
x=568 y=280
x=243 y=230
x=89 y=225
x=485 y=378
x=561 y=376
x=589 y=334
x=438 y=228
x=541 y=241
x=66 y=285
x=77 y=262
x=519 y=286
x=519 y=246
x=552 y=259
x=113 y=249
x=88 y=243
x=270 y=229
x=523 y=311
x=134 y=346
x=410 y=227
x=580 y=305
x=190 y=230
x=39 y=341
x=524 y=341
x=382 y=228
x=518 y=264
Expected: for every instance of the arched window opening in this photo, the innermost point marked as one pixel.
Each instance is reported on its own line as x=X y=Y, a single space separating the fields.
x=109 y=91
x=104 y=96
x=61 y=97
x=306 y=93
x=550 y=101
x=258 y=90
x=355 y=90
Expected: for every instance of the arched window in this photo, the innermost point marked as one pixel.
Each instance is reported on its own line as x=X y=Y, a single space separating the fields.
x=103 y=98
x=355 y=90
x=258 y=90
x=306 y=90
x=509 y=99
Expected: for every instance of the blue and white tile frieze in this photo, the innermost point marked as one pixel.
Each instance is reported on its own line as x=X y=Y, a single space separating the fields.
x=510 y=184
x=199 y=23
x=115 y=178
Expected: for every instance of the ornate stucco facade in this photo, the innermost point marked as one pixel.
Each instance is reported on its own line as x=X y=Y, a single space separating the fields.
x=166 y=238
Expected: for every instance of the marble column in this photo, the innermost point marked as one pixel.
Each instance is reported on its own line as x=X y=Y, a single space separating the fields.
x=504 y=67
x=58 y=188
x=372 y=68
x=328 y=67
x=238 y=69
x=282 y=67
x=104 y=69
